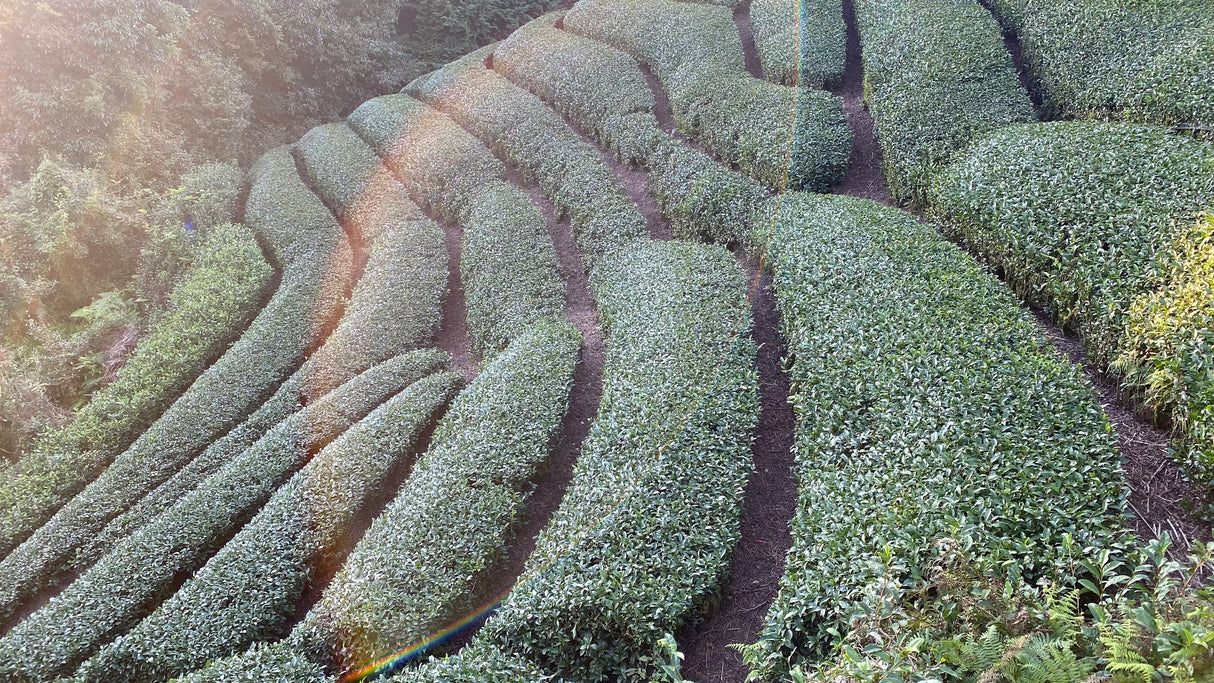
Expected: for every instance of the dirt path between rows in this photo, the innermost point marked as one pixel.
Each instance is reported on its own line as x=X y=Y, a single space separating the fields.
x=771 y=501
x=584 y=400
x=453 y=332
x=771 y=493
x=1159 y=496
x=864 y=177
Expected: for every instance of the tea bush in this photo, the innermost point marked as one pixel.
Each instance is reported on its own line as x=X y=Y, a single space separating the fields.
x=928 y=405
x=936 y=78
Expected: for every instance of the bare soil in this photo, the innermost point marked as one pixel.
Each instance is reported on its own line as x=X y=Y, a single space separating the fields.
x=741 y=19
x=453 y=333
x=1159 y=497
x=771 y=501
x=864 y=177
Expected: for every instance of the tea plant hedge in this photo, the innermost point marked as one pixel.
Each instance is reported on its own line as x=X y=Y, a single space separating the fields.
x=508 y=263
x=140 y=571
x=247 y=591
x=315 y=258
x=439 y=163
x=800 y=42
x=422 y=562
x=509 y=267
x=1137 y=60
x=666 y=460
x=395 y=307
x=699 y=197
x=1092 y=222
x=936 y=78
x=927 y=405
x=207 y=311
x=781 y=136
x=568 y=72
x=1169 y=347
x=532 y=137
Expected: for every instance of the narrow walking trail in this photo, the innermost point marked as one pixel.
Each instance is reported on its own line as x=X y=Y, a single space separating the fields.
x=771 y=493
x=584 y=397
x=1159 y=496
x=584 y=400
x=453 y=332
x=771 y=501
x=864 y=177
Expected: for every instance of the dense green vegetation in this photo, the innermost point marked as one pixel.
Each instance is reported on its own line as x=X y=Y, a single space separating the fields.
x=508 y=263
x=666 y=460
x=395 y=307
x=1146 y=61
x=695 y=52
x=700 y=198
x=279 y=495
x=139 y=572
x=316 y=261
x=1092 y=221
x=936 y=77
x=208 y=310
x=928 y=407
x=800 y=42
x=423 y=560
x=253 y=584
x=124 y=125
x=533 y=138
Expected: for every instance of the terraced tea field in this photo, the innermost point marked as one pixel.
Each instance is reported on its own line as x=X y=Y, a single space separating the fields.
x=659 y=327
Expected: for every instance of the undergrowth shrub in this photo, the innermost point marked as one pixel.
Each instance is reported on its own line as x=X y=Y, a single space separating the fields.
x=1094 y=223
x=140 y=571
x=1145 y=618
x=315 y=258
x=784 y=137
x=248 y=590
x=207 y=310
x=936 y=78
x=928 y=405
x=666 y=460
x=1169 y=349
x=800 y=42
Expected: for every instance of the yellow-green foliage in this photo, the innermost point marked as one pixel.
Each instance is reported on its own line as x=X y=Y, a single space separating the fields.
x=1169 y=351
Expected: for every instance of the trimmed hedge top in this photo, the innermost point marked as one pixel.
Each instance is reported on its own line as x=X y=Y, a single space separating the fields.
x=141 y=570
x=423 y=560
x=247 y=591
x=800 y=41
x=783 y=137
x=439 y=162
x=1091 y=222
x=1148 y=61
x=928 y=407
x=700 y=198
x=936 y=77
x=534 y=138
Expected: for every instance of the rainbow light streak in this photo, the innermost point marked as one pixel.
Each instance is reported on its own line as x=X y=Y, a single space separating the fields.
x=390 y=662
